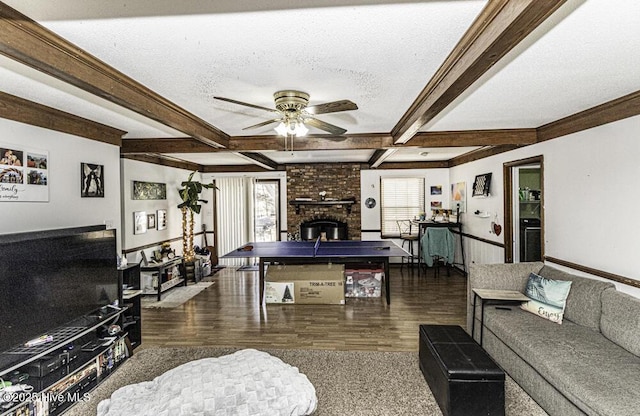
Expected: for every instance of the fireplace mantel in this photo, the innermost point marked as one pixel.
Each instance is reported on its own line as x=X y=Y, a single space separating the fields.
x=348 y=203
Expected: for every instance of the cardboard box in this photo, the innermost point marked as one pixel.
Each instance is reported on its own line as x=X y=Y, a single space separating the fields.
x=312 y=283
x=363 y=283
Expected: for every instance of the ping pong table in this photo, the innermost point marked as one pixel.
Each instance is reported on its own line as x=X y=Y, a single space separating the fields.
x=310 y=252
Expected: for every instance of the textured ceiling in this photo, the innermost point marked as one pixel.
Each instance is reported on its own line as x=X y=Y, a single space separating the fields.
x=378 y=54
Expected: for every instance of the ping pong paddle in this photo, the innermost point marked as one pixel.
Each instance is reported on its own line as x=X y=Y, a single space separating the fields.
x=248 y=247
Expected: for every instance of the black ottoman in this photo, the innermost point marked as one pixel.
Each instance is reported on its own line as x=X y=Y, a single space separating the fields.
x=463 y=378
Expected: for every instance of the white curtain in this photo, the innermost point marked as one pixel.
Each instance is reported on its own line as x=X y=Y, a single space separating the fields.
x=235 y=215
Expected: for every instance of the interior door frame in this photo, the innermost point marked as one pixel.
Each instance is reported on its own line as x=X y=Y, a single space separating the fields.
x=507 y=170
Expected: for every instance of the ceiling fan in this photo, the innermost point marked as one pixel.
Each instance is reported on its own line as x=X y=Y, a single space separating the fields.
x=294 y=115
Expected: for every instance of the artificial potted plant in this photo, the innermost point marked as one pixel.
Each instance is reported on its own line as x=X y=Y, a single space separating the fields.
x=190 y=205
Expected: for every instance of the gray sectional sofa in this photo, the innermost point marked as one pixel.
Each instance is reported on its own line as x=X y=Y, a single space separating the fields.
x=590 y=364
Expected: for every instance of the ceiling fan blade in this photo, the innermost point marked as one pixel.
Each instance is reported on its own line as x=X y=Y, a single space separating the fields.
x=322 y=125
x=332 y=107
x=273 y=110
x=264 y=123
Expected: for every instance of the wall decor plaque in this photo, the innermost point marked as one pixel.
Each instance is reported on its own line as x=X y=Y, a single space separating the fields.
x=24 y=174
x=149 y=190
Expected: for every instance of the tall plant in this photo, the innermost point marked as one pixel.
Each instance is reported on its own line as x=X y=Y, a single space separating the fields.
x=190 y=195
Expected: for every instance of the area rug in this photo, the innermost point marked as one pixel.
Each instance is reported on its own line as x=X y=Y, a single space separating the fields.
x=347 y=382
x=175 y=297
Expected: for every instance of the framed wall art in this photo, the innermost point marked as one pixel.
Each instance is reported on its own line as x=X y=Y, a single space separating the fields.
x=92 y=180
x=161 y=217
x=149 y=190
x=151 y=221
x=139 y=222
x=459 y=196
x=24 y=174
x=482 y=185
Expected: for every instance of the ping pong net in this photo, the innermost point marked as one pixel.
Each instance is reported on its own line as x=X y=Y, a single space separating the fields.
x=316 y=246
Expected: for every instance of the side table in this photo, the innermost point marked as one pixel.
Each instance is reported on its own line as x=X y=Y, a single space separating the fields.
x=499 y=297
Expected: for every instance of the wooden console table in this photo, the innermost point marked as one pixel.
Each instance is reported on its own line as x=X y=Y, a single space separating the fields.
x=164 y=282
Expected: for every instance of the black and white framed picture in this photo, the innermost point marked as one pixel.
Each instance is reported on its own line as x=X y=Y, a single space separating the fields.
x=92 y=180
x=139 y=222
x=161 y=219
x=482 y=185
x=151 y=221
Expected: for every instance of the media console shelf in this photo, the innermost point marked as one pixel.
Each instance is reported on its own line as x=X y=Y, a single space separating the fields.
x=129 y=294
x=165 y=279
x=63 y=371
x=348 y=203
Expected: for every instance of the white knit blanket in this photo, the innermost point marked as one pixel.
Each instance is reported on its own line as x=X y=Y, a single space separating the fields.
x=245 y=383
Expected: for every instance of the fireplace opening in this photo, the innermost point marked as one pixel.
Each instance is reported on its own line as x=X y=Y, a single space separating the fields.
x=325 y=228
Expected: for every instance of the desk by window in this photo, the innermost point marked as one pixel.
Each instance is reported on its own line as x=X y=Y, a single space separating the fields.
x=422 y=229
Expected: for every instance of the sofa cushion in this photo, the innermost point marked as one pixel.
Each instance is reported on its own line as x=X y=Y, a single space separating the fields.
x=621 y=319
x=548 y=297
x=595 y=374
x=584 y=304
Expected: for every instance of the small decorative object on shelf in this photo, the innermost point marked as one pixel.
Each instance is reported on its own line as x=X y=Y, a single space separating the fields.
x=323 y=195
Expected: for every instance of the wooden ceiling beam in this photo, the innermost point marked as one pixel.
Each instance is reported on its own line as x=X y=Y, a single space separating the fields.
x=475 y=138
x=312 y=142
x=29 y=43
x=434 y=164
x=159 y=160
x=501 y=25
x=165 y=145
x=379 y=157
x=28 y=112
x=614 y=110
x=480 y=154
x=234 y=169
x=259 y=159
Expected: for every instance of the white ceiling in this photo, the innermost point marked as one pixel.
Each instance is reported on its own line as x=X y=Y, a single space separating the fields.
x=379 y=54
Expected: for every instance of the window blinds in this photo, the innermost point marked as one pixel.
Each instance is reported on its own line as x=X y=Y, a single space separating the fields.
x=402 y=199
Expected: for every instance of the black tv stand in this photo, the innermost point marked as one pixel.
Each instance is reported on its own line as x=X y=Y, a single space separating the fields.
x=62 y=365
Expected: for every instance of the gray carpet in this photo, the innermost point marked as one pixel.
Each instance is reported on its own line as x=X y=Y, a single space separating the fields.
x=347 y=382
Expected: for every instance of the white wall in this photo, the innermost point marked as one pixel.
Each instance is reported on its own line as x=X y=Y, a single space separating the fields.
x=370 y=187
x=133 y=170
x=65 y=207
x=590 y=194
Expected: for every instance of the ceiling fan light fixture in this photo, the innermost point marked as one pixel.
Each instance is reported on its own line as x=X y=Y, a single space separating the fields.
x=301 y=129
x=292 y=127
x=281 y=129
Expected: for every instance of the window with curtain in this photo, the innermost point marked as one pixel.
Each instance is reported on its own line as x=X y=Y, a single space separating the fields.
x=401 y=199
x=234 y=204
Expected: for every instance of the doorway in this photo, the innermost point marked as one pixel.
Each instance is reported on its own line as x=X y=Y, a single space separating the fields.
x=524 y=210
x=266 y=196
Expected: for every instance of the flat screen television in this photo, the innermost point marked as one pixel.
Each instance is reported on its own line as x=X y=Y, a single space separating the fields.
x=50 y=278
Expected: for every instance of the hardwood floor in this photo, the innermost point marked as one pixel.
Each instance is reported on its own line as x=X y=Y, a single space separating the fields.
x=227 y=314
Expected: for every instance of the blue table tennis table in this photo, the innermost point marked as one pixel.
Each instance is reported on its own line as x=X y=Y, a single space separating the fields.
x=314 y=252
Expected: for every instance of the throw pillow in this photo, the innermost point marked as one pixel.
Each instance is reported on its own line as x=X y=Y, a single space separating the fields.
x=548 y=297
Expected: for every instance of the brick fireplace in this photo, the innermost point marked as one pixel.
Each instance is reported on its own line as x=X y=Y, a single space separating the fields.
x=340 y=181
